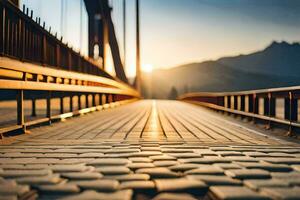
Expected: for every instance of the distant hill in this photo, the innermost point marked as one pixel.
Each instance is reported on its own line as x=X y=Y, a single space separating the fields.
x=277 y=65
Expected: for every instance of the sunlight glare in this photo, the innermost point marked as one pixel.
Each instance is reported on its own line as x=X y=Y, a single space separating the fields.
x=147 y=68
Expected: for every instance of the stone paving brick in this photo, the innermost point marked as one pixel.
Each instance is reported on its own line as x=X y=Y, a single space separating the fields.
x=282 y=193
x=140 y=160
x=184 y=167
x=174 y=196
x=206 y=170
x=258 y=184
x=23 y=173
x=69 y=168
x=13 y=189
x=23 y=167
x=129 y=177
x=165 y=163
x=82 y=175
x=215 y=179
x=90 y=194
x=288 y=161
x=113 y=170
x=145 y=154
x=234 y=192
x=138 y=185
x=158 y=172
x=59 y=188
x=180 y=184
x=293 y=178
x=266 y=166
x=139 y=165
x=108 y=161
x=40 y=180
x=177 y=151
x=163 y=157
x=100 y=185
x=228 y=165
x=248 y=173
x=205 y=160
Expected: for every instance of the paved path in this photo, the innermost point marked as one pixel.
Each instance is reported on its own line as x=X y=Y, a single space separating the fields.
x=149 y=149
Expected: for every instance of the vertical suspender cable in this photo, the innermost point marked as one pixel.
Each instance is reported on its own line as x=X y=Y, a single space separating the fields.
x=138 y=70
x=80 y=26
x=124 y=33
x=62 y=18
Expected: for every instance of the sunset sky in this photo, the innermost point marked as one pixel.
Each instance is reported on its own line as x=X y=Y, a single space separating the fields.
x=174 y=32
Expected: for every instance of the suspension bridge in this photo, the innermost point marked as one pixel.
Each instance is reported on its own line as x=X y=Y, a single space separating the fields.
x=70 y=130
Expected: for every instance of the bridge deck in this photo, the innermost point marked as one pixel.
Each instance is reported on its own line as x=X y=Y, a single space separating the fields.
x=149 y=149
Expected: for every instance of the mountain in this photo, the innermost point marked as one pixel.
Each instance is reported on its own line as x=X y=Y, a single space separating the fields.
x=277 y=65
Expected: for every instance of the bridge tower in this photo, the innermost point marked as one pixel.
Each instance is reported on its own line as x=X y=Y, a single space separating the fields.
x=138 y=61
x=102 y=33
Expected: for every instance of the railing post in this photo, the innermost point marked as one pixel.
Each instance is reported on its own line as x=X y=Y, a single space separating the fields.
x=113 y=99
x=250 y=103
x=71 y=102
x=267 y=106
x=229 y=101
x=87 y=100
x=100 y=99
x=48 y=113
x=79 y=101
x=255 y=104
x=61 y=100
x=271 y=109
x=290 y=110
x=20 y=109
x=235 y=102
x=242 y=102
x=94 y=99
x=33 y=107
x=107 y=98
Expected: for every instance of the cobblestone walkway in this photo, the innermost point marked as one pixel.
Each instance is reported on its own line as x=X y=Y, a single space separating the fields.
x=149 y=149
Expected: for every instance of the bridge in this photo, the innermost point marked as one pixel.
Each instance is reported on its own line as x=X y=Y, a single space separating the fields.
x=70 y=130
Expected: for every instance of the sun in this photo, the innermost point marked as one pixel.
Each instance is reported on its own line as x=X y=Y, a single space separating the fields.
x=147 y=68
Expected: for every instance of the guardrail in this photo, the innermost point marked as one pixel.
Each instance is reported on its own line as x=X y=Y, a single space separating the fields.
x=264 y=104
x=27 y=40
x=21 y=76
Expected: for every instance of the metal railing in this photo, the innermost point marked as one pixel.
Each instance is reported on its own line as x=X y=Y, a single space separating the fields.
x=264 y=104
x=23 y=38
x=54 y=83
x=34 y=65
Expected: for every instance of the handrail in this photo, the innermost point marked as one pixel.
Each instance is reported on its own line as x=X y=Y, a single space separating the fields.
x=248 y=103
x=78 y=78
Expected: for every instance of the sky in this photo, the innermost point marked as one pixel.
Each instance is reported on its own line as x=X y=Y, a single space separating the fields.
x=175 y=32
